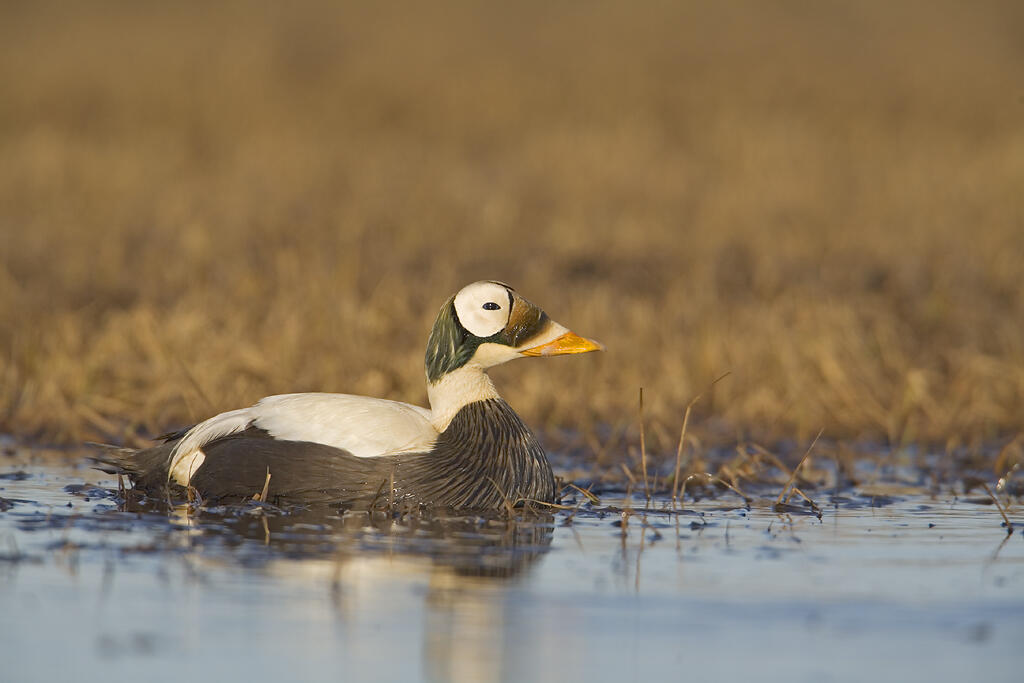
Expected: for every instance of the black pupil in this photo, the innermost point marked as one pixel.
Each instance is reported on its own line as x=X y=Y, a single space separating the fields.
x=491 y=306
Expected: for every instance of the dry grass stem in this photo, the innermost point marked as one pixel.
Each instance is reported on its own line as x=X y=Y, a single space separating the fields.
x=792 y=476
x=261 y=497
x=709 y=478
x=509 y=506
x=643 y=447
x=999 y=506
x=585 y=493
x=814 y=506
x=679 y=450
x=391 y=489
x=682 y=436
x=553 y=506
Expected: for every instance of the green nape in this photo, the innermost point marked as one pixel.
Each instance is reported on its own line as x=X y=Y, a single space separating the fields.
x=449 y=346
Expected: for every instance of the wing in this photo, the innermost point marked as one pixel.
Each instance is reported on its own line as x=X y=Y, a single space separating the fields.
x=365 y=427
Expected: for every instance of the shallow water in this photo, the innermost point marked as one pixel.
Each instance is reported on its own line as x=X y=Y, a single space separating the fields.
x=895 y=588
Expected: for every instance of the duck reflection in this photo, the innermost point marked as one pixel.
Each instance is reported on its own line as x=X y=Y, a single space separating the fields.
x=457 y=572
x=484 y=545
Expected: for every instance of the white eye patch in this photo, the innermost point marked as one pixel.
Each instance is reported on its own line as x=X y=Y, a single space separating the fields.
x=483 y=308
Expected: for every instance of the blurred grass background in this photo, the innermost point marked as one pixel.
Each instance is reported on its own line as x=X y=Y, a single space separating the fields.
x=202 y=204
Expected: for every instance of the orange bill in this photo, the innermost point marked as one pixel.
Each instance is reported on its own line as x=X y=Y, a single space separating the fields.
x=569 y=342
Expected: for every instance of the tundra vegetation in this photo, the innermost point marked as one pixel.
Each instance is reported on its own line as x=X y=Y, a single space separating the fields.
x=200 y=206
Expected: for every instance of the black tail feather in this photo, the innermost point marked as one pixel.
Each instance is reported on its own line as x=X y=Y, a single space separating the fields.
x=147 y=468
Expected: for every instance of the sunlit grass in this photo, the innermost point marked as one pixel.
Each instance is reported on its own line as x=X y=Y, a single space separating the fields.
x=202 y=206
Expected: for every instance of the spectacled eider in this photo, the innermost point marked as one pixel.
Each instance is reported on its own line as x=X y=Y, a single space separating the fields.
x=470 y=450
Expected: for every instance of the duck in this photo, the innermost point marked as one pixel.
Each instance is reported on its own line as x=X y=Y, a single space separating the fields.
x=468 y=450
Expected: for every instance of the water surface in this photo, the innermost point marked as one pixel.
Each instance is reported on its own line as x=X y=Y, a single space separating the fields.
x=888 y=588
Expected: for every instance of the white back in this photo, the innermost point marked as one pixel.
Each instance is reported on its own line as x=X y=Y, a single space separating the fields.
x=365 y=427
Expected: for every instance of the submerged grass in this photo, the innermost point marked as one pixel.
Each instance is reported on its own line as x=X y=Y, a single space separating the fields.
x=202 y=205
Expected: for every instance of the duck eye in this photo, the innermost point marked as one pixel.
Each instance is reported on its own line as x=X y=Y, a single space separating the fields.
x=491 y=306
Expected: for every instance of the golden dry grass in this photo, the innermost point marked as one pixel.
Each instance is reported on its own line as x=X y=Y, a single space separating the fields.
x=203 y=205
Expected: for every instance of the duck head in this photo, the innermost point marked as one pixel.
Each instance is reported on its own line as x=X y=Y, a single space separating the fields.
x=488 y=323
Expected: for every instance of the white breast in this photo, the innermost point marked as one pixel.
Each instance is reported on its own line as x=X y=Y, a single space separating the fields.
x=365 y=427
